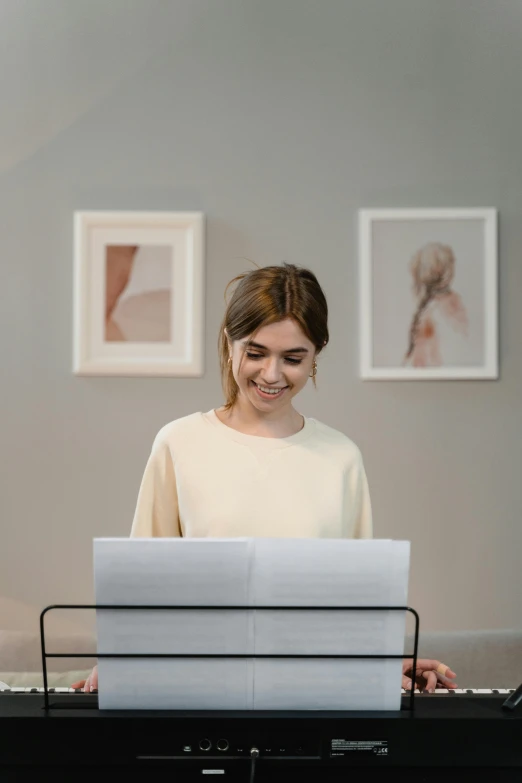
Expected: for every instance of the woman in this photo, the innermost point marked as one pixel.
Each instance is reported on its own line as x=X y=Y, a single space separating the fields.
x=275 y=327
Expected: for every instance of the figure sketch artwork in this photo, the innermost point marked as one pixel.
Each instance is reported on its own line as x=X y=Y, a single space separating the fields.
x=437 y=307
x=428 y=291
x=138 y=293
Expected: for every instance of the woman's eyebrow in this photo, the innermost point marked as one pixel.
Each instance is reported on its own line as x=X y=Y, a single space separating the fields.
x=264 y=348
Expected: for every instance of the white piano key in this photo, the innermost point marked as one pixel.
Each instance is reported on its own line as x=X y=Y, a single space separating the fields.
x=482 y=691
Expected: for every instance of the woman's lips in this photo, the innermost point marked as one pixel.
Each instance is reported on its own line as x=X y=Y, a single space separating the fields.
x=266 y=396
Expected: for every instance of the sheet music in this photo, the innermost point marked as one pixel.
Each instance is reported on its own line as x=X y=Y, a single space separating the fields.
x=162 y=571
x=253 y=572
x=307 y=572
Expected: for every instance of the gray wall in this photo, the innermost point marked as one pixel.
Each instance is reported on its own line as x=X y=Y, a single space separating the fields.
x=277 y=119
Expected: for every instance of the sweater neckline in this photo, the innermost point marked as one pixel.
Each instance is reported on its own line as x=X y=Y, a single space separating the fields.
x=270 y=443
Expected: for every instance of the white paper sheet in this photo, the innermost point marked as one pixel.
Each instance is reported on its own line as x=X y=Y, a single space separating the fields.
x=251 y=572
x=306 y=572
x=163 y=572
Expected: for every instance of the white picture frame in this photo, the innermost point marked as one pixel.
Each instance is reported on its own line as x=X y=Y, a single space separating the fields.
x=138 y=293
x=428 y=283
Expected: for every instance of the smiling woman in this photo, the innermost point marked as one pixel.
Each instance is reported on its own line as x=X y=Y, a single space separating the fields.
x=206 y=469
x=256 y=466
x=268 y=373
x=277 y=319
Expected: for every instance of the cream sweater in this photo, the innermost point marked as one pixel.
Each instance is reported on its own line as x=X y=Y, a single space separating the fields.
x=205 y=479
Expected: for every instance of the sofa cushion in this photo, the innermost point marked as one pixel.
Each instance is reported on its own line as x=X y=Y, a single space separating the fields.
x=480 y=659
x=20 y=651
x=35 y=679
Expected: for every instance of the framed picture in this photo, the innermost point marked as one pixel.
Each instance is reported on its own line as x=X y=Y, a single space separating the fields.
x=428 y=293
x=138 y=293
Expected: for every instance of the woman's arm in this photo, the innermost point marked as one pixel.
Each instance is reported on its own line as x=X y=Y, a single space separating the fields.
x=358 y=509
x=156 y=512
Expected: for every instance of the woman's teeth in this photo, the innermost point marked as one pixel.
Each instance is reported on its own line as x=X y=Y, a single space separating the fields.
x=266 y=390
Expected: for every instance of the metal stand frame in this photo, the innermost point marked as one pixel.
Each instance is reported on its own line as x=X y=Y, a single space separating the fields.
x=46 y=654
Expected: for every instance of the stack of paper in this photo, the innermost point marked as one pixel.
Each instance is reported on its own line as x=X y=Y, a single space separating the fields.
x=250 y=573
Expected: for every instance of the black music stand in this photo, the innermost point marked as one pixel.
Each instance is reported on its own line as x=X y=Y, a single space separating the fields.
x=46 y=654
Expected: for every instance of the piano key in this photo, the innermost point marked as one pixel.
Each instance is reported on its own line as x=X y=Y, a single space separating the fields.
x=16 y=689
x=453 y=691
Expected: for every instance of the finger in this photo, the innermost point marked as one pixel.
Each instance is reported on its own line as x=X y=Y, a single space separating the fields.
x=431 y=681
x=406 y=683
x=79 y=684
x=432 y=663
x=94 y=678
x=450 y=684
x=87 y=686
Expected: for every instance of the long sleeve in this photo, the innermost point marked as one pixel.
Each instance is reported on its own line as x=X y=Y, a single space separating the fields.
x=358 y=505
x=156 y=512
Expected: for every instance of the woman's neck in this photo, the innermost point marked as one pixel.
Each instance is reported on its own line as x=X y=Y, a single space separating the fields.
x=251 y=422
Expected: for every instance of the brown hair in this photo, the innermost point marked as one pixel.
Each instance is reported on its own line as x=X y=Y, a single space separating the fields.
x=265 y=296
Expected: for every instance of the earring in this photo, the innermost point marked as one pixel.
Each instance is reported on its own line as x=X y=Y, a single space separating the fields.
x=229 y=359
x=314 y=369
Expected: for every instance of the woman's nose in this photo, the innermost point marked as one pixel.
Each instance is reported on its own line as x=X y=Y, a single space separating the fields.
x=271 y=371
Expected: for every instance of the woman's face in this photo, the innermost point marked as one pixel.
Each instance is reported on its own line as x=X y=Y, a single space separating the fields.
x=272 y=369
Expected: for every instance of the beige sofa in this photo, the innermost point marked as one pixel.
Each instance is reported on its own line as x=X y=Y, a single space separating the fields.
x=481 y=659
x=21 y=658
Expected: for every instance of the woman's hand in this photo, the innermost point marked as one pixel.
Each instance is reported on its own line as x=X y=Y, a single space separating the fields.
x=90 y=684
x=429 y=674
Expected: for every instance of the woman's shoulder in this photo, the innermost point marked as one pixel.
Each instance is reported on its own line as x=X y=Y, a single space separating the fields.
x=337 y=441
x=180 y=429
